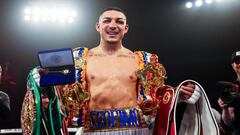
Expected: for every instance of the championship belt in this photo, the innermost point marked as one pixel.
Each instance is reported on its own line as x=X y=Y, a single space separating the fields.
x=152 y=77
x=198 y=118
x=33 y=117
x=165 y=96
x=30 y=114
x=73 y=98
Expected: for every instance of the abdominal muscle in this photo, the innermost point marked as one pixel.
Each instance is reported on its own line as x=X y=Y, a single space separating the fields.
x=112 y=94
x=111 y=80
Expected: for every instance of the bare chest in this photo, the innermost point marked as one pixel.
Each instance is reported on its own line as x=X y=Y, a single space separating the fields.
x=105 y=68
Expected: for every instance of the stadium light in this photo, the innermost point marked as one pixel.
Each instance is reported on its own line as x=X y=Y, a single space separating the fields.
x=27 y=18
x=199 y=3
x=189 y=4
x=45 y=12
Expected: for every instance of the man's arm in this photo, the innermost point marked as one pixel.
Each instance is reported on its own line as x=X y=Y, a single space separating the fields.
x=227 y=117
x=4 y=105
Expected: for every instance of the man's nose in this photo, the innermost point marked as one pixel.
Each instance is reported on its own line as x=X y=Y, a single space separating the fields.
x=112 y=24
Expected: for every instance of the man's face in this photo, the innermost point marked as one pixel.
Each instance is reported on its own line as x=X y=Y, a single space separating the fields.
x=112 y=26
x=236 y=66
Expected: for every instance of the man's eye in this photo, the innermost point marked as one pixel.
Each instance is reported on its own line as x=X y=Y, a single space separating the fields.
x=120 y=22
x=106 y=21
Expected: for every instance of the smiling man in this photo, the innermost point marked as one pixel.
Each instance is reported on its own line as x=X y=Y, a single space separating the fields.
x=114 y=105
x=109 y=95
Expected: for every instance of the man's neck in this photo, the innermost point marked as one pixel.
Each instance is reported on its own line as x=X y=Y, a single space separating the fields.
x=110 y=49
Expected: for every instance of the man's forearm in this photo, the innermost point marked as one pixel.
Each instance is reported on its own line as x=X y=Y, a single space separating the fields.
x=227 y=117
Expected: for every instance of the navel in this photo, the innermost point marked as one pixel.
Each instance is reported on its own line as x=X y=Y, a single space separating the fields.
x=131 y=77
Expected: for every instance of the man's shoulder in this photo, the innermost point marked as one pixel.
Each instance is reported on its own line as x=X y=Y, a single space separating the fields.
x=80 y=48
x=3 y=95
x=94 y=50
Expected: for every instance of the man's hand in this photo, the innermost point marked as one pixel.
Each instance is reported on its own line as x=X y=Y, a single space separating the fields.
x=187 y=91
x=228 y=113
x=190 y=93
x=222 y=104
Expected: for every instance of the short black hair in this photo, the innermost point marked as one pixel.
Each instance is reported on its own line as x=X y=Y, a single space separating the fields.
x=112 y=9
x=235 y=56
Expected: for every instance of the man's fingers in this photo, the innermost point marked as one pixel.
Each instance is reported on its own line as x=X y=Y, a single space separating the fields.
x=221 y=103
x=186 y=93
x=187 y=89
x=189 y=84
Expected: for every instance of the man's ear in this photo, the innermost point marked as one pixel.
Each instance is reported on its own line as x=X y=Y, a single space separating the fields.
x=126 y=28
x=97 y=26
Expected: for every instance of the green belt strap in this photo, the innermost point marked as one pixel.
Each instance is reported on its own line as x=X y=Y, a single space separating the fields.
x=36 y=126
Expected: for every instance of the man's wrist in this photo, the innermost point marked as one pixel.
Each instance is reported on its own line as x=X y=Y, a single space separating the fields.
x=195 y=96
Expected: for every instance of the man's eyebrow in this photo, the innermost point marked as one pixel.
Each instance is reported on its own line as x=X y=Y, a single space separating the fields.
x=118 y=18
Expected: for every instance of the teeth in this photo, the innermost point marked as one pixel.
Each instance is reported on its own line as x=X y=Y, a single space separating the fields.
x=112 y=33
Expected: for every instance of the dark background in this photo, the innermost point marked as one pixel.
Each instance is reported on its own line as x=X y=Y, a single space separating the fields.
x=191 y=43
